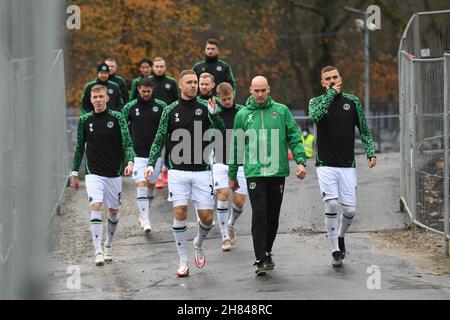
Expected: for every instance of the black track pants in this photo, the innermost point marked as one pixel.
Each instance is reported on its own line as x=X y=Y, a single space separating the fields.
x=266 y=195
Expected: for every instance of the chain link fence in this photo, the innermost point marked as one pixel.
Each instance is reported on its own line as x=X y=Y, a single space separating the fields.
x=33 y=142
x=423 y=82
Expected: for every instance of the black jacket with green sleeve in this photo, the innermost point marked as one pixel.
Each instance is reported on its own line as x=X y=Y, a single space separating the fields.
x=220 y=69
x=105 y=138
x=122 y=83
x=336 y=116
x=185 y=119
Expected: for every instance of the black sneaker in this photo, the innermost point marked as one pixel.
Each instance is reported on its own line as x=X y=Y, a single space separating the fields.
x=341 y=247
x=260 y=268
x=270 y=264
x=337 y=259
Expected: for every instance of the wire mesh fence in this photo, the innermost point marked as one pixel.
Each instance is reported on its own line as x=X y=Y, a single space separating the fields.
x=33 y=143
x=424 y=90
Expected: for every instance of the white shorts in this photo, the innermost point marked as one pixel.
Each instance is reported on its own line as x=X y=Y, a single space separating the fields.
x=220 y=177
x=195 y=185
x=140 y=164
x=104 y=190
x=338 y=183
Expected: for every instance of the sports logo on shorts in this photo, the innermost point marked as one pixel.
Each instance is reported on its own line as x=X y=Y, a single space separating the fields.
x=198 y=112
x=110 y=91
x=346 y=107
x=275 y=115
x=155 y=109
x=110 y=124
x=90 y=199
x=135 y=173
x=219 y=68
x=91 y=127
x=216 y=184
x=137 y=112
x=167 y=86
x=253 y=185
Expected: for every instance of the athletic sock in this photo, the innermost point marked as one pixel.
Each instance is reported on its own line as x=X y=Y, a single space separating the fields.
x=203 y=231
x=222 y=216
x=113 y=220
x=346 y=222
x=143 y=203
x=331 y=223
x=234 y=216
x=97 y=230
x=180 y=234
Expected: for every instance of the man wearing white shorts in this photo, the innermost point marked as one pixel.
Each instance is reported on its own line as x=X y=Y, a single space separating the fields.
x=336 y=115
x=104 y=134
x=143 y=115
x=190 y=177
x=220 y=171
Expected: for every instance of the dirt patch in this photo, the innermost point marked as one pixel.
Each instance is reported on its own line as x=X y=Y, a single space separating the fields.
x=423 y=247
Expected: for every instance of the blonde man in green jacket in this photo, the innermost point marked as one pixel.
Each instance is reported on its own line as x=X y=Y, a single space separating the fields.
x=262 y=134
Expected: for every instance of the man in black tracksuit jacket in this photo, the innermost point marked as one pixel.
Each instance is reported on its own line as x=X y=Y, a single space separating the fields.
x=215 y=66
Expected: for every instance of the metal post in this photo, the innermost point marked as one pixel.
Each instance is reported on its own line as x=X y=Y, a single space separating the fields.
x=412 y=141
x=366 y=65
x=446 y=164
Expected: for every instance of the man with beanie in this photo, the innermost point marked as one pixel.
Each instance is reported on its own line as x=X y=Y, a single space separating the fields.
x=115 y=101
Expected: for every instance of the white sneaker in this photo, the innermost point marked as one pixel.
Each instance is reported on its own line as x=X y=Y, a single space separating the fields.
x=99 y=259
x=183 y=271
x=200 y=258
x=232 y=235
x=226 y=245
x=108 y=254
x=146 y=227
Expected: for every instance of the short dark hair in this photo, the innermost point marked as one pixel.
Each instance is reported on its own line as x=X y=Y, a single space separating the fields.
x=146 y=60
x=327 y=69
x=213 y=41
x=146 y=82
x=186 y=72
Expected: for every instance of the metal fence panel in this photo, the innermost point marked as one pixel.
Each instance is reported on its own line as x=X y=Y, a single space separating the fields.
x=424 y=90
x=33 y=141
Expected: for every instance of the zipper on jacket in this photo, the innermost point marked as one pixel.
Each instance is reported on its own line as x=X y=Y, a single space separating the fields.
x=265 y=143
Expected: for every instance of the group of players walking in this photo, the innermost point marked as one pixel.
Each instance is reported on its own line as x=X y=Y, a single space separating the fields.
x=125 y=133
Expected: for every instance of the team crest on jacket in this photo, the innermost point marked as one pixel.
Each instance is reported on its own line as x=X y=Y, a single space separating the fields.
x=219 y=68
x=167 y=86
x=110 y=91
x=155 y=109
x=137 y=112
x=250 y=118
x=275 y=115
x=346 y=107
x=198 y=112
x=110 y=124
